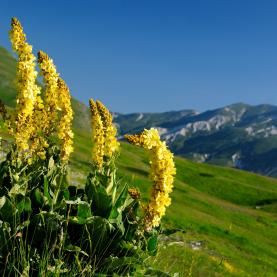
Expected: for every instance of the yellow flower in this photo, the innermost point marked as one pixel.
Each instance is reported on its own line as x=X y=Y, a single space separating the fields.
x=111 y=143
x=38 y=137
x=50 y=77
x=27 y=89
x=57 y=108
x=98 y=139
x=134 y=193
x=64 y=129
x=162 y=172
x=36 y=120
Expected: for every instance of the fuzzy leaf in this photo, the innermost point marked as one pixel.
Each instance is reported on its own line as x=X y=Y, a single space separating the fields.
x=7 y=210
x=46 y=191
x=152 y=244
x=37 y=197
x=101 y=201
x=4 y=238
x=75 y=249
x=25 y=205
x=122 y=266
x=84 y=210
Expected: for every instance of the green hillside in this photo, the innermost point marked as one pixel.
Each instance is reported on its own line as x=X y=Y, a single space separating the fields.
x=229 y=214
x=7 y=74
x=225 y=219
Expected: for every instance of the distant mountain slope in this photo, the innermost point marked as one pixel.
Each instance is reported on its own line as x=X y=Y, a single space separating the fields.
x=238 y=135
x=135 y=122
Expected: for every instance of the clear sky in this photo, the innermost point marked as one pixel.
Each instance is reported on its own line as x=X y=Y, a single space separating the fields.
x=156 y=55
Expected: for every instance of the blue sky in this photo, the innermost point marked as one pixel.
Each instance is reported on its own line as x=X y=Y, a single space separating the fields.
x=155 y=55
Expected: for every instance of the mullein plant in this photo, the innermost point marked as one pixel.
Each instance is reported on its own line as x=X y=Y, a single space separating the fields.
x=33 y=175
x=51 y=228
x=162 y=175
x=135 y=225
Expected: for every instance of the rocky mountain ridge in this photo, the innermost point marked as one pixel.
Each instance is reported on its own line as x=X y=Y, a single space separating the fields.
x=238 y=135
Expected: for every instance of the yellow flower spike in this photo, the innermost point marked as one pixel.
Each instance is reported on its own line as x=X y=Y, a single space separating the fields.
x=17 y=35
x=104 y=113
x=27 y=89
x=162 y=172
x=134 y=193
x=111 y=143
x=64 y=129
x=98 y=139
x=134 y=139
x=50 y=76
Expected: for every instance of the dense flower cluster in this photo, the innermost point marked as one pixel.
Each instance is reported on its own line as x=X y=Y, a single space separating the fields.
x=134 y=193
x=105 y=144
x=50 y=77
x=162 y=172
x=111 y=143
x=98 y=139
x=37 y=119
x=38 y=139
x=28 y=91
x=64 y=128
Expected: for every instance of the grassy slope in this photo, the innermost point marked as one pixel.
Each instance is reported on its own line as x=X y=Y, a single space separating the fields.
x=7 y=74
x=211 y=205
x=231 y=212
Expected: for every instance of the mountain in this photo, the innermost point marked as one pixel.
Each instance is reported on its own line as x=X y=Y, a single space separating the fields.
x=238 y=135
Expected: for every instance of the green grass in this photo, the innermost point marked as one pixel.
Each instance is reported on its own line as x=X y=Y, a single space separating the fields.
x=230 y=211
x=7 y=74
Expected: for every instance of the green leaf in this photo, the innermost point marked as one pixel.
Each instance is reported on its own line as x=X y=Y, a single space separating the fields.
x=128 y=249
x=51 y=163
x=97 y=235
x=152 y=245
x=118 y=222
x=17 y=189
x=124 y=266
x=37 y=197
x=45 y=229
x=84 y=210
x=151 y=272
x=51 y=167
x=75 y=249
x=7 y=210
x=120 y=201
x=123 y=201
x=66 y=194
x=101 y=201
x=46 y=191
x=25 y=205
x=114 y=214
x=4 y=238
